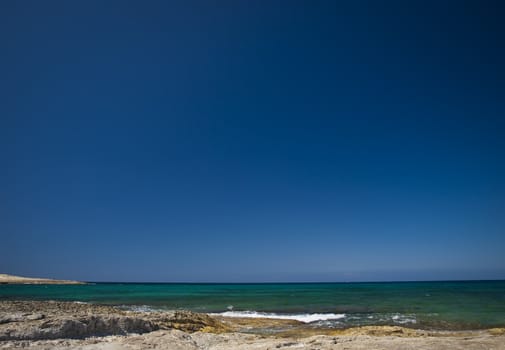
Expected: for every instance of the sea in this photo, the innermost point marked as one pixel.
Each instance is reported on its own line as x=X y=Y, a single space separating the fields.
x=440 y=305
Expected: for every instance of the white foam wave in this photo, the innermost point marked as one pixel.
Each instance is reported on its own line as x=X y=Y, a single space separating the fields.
x=306 y=318
x=138 y=308
x=403 y=319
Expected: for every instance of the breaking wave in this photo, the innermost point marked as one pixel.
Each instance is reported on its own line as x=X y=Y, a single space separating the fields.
x=306 y=318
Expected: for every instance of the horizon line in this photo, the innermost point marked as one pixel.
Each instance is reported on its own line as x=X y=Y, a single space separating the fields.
x=298 y=282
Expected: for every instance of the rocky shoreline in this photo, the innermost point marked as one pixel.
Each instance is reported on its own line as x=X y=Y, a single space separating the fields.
x=69 y=325
x=10 y=279
x=42 y=320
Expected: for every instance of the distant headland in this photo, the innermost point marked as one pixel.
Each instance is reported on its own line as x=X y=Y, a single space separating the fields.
x=10 y=279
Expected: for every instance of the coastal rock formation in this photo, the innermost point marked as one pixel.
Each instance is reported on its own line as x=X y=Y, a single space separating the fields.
x=10 y=279
x=33 y=320
x=78 y=328
x=188 y=321
x=179 y=340
x=68 y=325
x=20 y=317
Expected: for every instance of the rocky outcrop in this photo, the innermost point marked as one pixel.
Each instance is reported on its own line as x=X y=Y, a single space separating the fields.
x=189 y=322
x=66 y=325
x=178 y=340
x=10 y=279
x=33 y=320
x=78 y=328
x=19 y=317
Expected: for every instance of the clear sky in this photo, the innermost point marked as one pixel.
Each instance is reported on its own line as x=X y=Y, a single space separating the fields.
x=252 y=140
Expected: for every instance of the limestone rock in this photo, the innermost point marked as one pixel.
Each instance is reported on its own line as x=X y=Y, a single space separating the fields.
x=34 y=320
x=78 y=328
x=189 y=321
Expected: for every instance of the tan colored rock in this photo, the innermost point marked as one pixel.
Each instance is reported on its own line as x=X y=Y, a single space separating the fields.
x=496 y=331
x=36 y=320
x=10 y=279
x=67 y=325
x=188 y=321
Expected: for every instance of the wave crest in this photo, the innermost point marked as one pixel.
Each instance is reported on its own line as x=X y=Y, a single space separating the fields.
x=305 y=318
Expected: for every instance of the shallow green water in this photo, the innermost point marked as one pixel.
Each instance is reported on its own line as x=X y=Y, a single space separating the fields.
x=439 y=305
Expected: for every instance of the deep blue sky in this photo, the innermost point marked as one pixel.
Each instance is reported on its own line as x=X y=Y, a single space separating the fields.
x=252 y=140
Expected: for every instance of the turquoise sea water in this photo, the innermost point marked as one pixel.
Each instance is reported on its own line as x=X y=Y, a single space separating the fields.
x=431 y=305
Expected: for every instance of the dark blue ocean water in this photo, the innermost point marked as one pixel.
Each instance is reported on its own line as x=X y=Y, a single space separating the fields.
x=433 y=305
